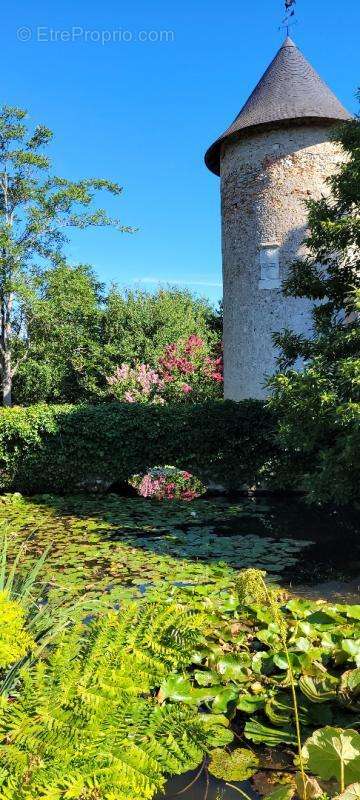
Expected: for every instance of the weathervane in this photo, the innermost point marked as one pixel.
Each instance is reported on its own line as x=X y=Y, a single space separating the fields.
x=288 y=20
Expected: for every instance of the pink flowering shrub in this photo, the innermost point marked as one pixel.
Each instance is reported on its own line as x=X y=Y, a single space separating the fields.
x=185 y=372
x=168 y=483
x=139 y=384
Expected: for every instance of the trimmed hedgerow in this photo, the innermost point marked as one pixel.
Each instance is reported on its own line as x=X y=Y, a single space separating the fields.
x=66 y=448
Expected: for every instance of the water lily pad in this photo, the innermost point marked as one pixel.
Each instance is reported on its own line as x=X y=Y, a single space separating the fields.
x=239 y=765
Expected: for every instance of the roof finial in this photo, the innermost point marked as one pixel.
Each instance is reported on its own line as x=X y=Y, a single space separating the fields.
x=289 y=20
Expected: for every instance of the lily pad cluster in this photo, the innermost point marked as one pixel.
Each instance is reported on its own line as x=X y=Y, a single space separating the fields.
x=115 y=547
x=242 y=670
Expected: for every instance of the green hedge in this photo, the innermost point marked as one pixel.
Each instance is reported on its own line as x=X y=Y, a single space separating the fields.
x=70 y=448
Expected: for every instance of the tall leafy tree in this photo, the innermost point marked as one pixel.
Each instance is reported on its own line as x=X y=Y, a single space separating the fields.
x=36 y=210
x=64 y=345
x=77 y=334
x=139 y=325
x=319 y=407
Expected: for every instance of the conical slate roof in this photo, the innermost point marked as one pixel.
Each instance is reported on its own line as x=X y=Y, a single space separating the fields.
x=290 y=91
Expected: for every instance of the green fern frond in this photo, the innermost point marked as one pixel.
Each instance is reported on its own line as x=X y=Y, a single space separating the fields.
x=87 y=725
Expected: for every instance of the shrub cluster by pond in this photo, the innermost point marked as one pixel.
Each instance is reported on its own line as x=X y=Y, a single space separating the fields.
x=67 y=448
x=168 y=483
x=179 y=679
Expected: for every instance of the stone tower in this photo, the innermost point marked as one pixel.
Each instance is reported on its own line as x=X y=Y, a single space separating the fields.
x=276 y=154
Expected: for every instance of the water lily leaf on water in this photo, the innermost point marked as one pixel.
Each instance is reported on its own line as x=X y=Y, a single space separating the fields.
x=333 y=753
x=259 y=733
x=114 y=540
x=239 y=765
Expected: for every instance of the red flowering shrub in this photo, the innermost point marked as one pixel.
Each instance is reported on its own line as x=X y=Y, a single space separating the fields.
x=186 y=371
x=189 y=371
x=168 y=483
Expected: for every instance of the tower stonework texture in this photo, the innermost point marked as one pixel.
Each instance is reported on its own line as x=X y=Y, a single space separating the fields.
x=276 y=155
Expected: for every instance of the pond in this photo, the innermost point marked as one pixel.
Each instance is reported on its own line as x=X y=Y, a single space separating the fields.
x=117 y=547
x=205 y=787
x=120 y=545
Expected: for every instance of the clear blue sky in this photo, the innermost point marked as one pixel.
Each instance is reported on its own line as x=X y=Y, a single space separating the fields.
x=143 y=113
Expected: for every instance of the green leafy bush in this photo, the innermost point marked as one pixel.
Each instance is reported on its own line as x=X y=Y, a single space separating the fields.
x=78 y=333
x=62 y=448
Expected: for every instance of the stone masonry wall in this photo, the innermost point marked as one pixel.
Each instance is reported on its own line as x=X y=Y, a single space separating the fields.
x=265 y=180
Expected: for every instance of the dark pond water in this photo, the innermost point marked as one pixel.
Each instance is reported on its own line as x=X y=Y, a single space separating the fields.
x=204 y=788
x=329 y=564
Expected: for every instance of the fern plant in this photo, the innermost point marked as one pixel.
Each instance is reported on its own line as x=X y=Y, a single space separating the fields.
x=15 y=641
x=89 y=723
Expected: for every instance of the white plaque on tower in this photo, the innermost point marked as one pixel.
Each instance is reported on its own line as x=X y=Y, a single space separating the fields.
x=269 y=266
